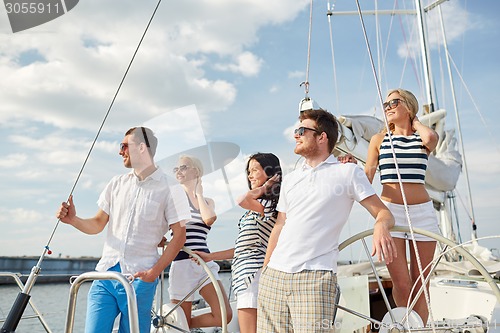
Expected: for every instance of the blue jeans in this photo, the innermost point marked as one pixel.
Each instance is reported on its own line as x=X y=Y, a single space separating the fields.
x=107 y=299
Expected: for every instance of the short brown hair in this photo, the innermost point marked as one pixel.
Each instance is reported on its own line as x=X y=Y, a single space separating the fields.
x=325 y=122
x=146 y=136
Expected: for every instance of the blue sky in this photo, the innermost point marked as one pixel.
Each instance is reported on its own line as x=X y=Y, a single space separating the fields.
x=236 y=67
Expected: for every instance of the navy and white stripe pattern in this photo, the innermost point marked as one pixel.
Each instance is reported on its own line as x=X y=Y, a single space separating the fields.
x=411 y=156
x=251 y=244
x=196 y=234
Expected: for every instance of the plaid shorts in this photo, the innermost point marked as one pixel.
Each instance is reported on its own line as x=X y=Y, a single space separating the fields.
x=302 y=302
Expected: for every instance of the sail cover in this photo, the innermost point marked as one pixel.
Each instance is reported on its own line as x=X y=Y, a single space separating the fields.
x=445 y=163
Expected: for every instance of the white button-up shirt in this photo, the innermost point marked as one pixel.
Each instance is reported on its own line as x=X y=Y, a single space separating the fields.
x=140 y=213
x=317 y=202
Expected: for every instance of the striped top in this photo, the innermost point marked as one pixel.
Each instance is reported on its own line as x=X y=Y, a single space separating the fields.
x=411 y=156
x=251 y=244
x=196 y=234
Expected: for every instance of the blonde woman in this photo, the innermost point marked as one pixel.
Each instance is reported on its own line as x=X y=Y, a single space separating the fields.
x=185 y=274
x=413 y=142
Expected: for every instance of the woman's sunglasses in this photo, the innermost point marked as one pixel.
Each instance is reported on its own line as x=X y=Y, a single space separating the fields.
x=393 y=103
x=181 y=168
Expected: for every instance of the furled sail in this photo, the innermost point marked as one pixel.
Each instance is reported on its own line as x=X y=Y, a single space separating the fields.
x=445 y=163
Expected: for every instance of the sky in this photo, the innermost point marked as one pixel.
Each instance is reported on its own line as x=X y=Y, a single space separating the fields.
x=226 y=72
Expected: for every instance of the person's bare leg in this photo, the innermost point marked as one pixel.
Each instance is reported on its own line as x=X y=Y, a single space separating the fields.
x=186 y=307
x=400 y=276
x=213 y=318
x=247 y=320
x=426 y=251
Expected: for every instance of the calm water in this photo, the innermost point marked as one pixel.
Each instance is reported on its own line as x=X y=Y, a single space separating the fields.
x=52 y=301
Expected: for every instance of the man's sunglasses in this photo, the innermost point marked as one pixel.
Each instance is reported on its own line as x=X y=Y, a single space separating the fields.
x=301 y=130
x=393 y=103
x=123 y=146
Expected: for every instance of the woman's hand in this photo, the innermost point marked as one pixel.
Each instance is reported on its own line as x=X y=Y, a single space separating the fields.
x=199 y=188
x=271 y=181
x=347 y=158
x=163 y=242
x=206 y=257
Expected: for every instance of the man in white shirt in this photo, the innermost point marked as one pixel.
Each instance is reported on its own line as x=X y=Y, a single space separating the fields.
x=298 y=283
x=139 y=208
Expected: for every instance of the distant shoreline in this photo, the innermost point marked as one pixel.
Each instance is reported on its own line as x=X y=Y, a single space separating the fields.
x=56 y=270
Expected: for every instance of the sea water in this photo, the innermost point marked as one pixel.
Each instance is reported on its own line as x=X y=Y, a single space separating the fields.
x=51 y=300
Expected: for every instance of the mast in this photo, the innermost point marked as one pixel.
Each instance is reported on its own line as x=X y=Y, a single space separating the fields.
x=425 y=55
x=459 y=128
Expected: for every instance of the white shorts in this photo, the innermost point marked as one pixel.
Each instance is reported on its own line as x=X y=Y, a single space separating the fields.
x=247 y=299
x=422 y=216
x=185 y=275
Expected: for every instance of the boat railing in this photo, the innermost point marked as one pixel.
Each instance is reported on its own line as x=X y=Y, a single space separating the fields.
x=77 y=281
x=37 y=314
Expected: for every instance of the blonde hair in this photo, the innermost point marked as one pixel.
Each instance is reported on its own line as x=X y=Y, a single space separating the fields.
x=409 y=100
x=195 y=161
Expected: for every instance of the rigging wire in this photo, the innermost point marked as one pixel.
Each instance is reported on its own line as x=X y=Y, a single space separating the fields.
x=476 y=107
x=19 y=306
x=107 y=114
x=46 y=250
x=409 y=52
x=459 y=127
x=403 y=195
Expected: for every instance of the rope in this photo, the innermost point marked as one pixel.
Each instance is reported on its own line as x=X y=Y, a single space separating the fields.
x=414 y=242
x=308 y=65
x=329 y=14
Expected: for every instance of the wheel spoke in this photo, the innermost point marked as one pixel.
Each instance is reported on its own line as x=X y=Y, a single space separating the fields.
x=446 y=247
x=161 y=319
x=379 y=282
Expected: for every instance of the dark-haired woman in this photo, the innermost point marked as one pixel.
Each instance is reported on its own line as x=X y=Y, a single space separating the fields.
x=264 y=180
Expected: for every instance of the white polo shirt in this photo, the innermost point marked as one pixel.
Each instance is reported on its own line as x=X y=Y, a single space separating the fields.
x=140 y=213
x=317 y=202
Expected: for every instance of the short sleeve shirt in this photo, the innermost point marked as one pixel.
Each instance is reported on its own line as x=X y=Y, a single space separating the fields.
x=140 y=213
x=317 y=203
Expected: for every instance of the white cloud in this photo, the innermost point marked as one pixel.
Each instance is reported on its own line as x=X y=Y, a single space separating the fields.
x=296 y=74
x=246 y=63
x=274 y=88
x=456 y=21
x=20 y=216
x=13 y=160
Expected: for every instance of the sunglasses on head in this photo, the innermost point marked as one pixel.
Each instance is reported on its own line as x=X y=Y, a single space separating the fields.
x=301 y=130
x=180 y=168
x=393 y=103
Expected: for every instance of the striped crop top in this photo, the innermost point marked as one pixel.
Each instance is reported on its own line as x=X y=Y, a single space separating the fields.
x=196 y=234
x=411 y=156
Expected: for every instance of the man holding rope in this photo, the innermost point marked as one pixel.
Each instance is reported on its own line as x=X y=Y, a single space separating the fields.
x=139 y=208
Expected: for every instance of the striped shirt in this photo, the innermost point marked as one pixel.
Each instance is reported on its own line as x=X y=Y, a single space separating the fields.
x=196 y=234
x=251 y=244
x=411 y=156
